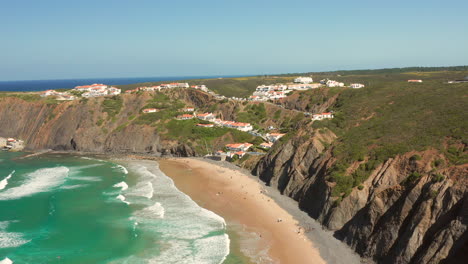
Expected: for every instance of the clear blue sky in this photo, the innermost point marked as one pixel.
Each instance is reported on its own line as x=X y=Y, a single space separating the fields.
x=122 y=38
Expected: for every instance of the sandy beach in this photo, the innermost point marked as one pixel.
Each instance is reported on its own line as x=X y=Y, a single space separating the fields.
x=242 y=200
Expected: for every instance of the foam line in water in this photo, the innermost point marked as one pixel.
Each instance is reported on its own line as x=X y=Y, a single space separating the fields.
x=123 y=185
x=4 y=182
x=85 y=178
x=38 y=181
x=76 y=186
x=122 y=198
x=6 y=261
x=88 y=158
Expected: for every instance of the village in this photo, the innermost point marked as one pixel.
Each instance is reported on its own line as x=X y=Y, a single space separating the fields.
x=263 y=93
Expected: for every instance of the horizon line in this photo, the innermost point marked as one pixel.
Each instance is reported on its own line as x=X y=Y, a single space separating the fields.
x=230 y=75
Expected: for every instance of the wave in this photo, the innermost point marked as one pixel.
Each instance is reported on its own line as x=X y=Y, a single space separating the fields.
x=142 y=189
x=122 y=198
x=4 y=182
x=122 y=185
x=192 y=234
x=150 y=212
x=38 y=181
x=122 y=168
x=6 y=261
x=10 y=239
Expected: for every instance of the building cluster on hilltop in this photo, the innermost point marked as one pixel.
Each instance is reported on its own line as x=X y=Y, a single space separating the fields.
x=97 y=90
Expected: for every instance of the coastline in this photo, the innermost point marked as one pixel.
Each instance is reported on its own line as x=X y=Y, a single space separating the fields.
x=282 y=231
x=241 y=202
x=248 y=218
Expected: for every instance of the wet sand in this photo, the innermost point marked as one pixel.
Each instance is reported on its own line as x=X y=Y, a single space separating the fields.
x=260 y=223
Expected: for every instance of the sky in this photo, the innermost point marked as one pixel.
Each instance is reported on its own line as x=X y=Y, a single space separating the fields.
x=143 y=38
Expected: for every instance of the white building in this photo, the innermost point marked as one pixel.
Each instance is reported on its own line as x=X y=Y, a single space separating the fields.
x=201 y=87
x=239 y=146
x=356 y=85
x=303 y=80
x=273 y=137
x=48 y=93
x=206 y=116
x=150 y=110
x=322 y=116
x=88 y=88
x=331 y=83
x=113 y=91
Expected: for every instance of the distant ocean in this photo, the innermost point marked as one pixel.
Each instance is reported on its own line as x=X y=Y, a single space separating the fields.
x=71 y=209
x=41 y=85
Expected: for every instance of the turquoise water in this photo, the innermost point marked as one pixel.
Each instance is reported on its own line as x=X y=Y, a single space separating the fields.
x=69 y=209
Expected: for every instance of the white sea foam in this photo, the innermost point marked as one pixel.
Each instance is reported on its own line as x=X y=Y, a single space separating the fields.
x=122 y=198
x=38 y=181
x=88 y=158
x=122 y=168
x=76 y=186
x=190 y=234
x=123 y=185
x=6 y=261
x=142 y=189
x=154 y=211
x=10 y=239
x=85 y=178
x=4 y=182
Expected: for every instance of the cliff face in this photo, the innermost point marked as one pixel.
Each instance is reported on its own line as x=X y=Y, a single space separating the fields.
x=74 y=125
x=388 y=220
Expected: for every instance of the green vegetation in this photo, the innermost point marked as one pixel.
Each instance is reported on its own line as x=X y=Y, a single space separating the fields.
x=437 y=177
x=186 y=131
x=391 y=117
x=112 y=106
x=253 y=113
x=412 y=178
x=28 y=97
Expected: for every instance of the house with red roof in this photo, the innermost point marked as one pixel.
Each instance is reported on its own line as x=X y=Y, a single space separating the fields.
x=273 y=137
x=188 y=109
x=239 y=146
x=266 y=145
x=206 y=116
x=185 y=117
x=150 y=110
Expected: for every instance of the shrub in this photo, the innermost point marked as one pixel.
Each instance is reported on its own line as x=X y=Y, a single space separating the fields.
x=415 y=157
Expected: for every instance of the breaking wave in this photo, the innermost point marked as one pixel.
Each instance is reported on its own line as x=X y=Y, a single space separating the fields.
x=10 y=239
x=4 y=182
x=190 y=233
x=122 y=198
x=122 y=168
x=123 y=185
x=6 y=261
x=38 y=181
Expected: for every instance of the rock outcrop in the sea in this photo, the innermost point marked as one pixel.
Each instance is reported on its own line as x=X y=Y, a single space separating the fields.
x=388 y=219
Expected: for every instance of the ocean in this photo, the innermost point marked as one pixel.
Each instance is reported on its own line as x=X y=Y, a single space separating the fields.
x=41 y=85
x=63 y=208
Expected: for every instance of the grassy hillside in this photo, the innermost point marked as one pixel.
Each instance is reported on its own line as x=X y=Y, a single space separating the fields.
x=391 y=117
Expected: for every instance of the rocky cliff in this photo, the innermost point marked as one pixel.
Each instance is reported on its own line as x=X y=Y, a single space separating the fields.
x=390 y=218
x=83 y=125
